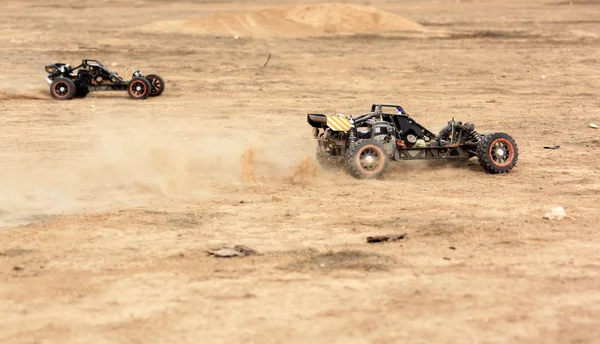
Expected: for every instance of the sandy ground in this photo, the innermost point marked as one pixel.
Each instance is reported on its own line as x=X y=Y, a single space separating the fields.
x=108 y=205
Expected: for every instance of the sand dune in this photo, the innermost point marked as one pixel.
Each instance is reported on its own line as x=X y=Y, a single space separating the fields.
x=292 y=21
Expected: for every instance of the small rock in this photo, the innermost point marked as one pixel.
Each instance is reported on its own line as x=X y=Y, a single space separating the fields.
x=543 y=77
x=452 y=248
x=593 y=126
x=384 y=238
x=236 y=37
x=556 y=213
x=225 y=253
x=18 y=268
x=236 y=251
x=244 y=250
x=447 y=258
x=114 y=64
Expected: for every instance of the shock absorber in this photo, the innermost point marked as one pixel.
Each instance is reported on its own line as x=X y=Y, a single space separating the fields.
x=469 y=128
x=352 y=135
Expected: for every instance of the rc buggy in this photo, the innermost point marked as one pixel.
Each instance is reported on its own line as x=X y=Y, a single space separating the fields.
x=67 y=82
x=365 y=144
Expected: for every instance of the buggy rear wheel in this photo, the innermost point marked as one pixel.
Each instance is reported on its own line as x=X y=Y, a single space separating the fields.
x=497 y=153
x=62 y=89
x=326 y=162
x=139 y=88
x=366 y=159
x=81 y=90
x=157 y=83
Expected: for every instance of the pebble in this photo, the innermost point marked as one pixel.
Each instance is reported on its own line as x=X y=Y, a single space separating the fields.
x=236 y=251
x=556 y=213
x=225 y=253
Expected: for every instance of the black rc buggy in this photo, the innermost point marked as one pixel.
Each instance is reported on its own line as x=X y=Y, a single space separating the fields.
x=365 y=144
x=67 y=82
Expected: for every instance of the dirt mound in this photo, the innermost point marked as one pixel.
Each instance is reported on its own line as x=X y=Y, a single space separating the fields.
x=293 y=21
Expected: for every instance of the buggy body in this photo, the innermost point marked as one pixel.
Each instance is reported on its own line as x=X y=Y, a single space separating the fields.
x=366 y=143
x=67 y=82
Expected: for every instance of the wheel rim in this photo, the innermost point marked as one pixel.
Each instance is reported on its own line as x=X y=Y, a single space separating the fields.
x=157 y=85
x=137 y=88
x=61 y=89
x=502 y=152
x=370 y=159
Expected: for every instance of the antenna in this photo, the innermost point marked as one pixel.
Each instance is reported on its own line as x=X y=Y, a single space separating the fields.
x=452 y=136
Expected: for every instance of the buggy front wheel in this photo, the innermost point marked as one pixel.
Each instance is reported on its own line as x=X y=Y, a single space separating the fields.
x=157 y=83
x=139 y=88
x=497 y=153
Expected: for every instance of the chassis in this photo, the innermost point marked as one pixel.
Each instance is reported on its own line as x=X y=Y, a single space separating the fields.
x=365 y=144
x=67 y=82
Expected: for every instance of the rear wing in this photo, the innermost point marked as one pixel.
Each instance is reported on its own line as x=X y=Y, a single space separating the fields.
x=317 y=120
x=333 y=122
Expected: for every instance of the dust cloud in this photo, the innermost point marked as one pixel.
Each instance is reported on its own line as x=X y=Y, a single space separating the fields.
x=130 y=163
